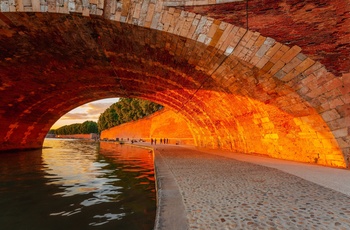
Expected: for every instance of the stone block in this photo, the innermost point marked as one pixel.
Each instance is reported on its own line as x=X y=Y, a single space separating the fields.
x=238 y=36
x=268 y=126
x=216 y=37
x=335 y=103
x=186 y=27
x=149 y=16
x=332 y=84
x=304 y=65
x=86 y=12
x=256 y=121
x=199 y=28
x=262 y=51
x=268 y=43
x=265 y=120
x=316 y=92
x=345 y=87
x=344 y=110
x=290 y=54
x=297 y=121
x=280 y=74
x=345 y=98
x=252 y=41
x=272 y=136
x=313 y=68
x=255 y=60
x=277 y=56
x=291 y=65
x=267 y=67
x=237 y=50
x=262 y=62
x=330 y=115
x=212 y=28
x=290 y=75
x=223 y=41
x=311 y=82
x=232 y=31
x=344 y=142
x=155 y=20
x=35 y=5
x=274 y=49
x=137 y=11
x=259 y=41
x=340 y=132
x=339 y=123
x=279 y=65
x=246 y=37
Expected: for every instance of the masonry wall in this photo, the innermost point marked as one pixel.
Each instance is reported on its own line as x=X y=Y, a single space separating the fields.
x=267 y=90
x=320 y=27
x=163 y=124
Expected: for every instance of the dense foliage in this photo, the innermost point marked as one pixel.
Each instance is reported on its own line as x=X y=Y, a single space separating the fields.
x=52 y=131
x=125 y=110
x=84 y=128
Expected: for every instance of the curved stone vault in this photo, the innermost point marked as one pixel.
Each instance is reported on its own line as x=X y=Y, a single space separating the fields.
x=236 y=89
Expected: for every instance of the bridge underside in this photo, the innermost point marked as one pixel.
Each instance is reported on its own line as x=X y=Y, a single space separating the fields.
x=52 y=63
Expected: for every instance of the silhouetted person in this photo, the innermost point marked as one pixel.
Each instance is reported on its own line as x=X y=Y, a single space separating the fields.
x=151 y=141
x=155 y=141
x=161 y=140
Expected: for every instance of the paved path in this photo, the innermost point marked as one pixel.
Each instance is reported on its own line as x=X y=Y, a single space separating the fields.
x=225 y=193
x=333 y=178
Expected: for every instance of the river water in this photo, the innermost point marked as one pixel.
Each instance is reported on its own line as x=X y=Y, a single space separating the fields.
x=77 y=184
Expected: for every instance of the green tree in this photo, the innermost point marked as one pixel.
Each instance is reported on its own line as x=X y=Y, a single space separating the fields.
x=125 y=110
x=84 y=128
x=52 y=131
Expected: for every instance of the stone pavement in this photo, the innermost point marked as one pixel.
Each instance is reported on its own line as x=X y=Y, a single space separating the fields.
x=224 y=193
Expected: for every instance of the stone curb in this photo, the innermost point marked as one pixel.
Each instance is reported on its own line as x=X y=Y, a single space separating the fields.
x=171 y=214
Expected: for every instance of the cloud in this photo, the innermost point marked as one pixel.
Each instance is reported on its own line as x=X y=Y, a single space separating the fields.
x=96 y=108
x=71 y=116
x=87 y=112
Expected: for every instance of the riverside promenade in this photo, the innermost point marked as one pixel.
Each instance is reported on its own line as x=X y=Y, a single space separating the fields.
x=216 y=189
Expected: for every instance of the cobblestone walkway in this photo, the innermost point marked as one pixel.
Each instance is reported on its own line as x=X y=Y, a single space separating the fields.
x=223 y=193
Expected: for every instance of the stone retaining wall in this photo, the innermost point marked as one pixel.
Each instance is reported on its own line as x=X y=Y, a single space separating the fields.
x=162 y=124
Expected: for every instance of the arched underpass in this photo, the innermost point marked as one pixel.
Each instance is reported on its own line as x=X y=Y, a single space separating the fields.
x=237 y=89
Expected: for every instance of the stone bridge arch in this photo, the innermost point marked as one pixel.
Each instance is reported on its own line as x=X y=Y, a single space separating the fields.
x=237 y=89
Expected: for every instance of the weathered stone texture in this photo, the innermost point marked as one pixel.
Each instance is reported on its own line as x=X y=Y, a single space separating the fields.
x=236 y=88
x=321 y=28
x=163 y=124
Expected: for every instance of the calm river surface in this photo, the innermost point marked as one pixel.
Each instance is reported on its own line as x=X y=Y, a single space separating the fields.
x=77 y=184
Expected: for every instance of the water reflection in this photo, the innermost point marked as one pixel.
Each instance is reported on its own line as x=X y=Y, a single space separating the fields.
x=78 y=184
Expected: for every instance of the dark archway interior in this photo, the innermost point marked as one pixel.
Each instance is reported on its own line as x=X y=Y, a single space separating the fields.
x=52 y=63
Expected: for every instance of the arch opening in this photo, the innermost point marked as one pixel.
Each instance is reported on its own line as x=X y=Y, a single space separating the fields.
x=228 y=100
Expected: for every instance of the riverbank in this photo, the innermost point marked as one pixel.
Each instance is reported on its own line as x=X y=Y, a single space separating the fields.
x=199 y=189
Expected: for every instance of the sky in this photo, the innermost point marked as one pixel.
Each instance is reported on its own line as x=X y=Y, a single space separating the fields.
x=87 y=112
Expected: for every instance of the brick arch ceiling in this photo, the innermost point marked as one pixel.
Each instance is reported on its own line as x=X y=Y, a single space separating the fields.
x=237 y=89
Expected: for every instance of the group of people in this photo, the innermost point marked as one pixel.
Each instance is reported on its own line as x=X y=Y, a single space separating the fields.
x=162 y=141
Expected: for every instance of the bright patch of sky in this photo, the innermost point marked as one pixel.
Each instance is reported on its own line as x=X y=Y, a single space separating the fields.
x=87 y=112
